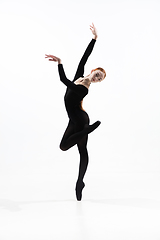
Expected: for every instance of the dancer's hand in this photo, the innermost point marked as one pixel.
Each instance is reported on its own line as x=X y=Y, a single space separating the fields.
x=53 y=58
x=94 y=31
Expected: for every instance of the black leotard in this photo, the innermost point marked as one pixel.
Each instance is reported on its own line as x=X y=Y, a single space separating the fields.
x=76 y=131
x=75 y=93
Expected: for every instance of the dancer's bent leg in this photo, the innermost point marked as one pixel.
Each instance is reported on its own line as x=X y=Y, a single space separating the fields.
x=70 y=130
x=71 y=138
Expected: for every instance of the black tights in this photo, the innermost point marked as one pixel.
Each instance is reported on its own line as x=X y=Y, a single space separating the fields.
x=77 y=135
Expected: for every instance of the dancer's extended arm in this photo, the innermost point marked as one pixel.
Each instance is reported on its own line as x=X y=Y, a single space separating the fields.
x=80 y=70
x=64 y=79
x=62 y=74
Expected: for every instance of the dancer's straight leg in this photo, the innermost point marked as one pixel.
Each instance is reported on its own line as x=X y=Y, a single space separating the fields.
x=82 y=148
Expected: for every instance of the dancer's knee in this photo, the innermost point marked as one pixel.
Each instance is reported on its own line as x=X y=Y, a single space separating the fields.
x=62 y=147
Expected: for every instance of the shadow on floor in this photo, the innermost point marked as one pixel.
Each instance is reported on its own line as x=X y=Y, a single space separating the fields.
x=15 y=206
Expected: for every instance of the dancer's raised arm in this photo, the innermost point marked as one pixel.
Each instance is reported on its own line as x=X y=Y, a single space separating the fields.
x=94 y=31
x=80 y=69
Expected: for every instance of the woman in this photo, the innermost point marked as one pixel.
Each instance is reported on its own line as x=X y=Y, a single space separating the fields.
x=78 y=127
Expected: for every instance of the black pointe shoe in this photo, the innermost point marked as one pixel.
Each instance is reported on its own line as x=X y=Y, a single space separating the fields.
x=79 y=188
x=91 y=128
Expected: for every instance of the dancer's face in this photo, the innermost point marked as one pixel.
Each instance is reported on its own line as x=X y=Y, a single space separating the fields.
x=97 y=76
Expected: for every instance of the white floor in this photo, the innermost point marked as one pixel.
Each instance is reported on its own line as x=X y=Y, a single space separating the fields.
x=122 y=206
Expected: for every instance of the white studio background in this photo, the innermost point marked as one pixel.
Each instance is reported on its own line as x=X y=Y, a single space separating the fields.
x=124 y=151
x=33 y=117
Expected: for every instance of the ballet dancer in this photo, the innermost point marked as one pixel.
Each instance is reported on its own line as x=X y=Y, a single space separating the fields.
x=78 y=127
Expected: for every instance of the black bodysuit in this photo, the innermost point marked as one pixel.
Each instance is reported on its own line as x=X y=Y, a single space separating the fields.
x=75 y=93
x=76 y=132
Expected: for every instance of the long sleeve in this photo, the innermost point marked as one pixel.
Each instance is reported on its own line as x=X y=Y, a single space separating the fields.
x=80 y=69
x=63 y=77
x=68 y=83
